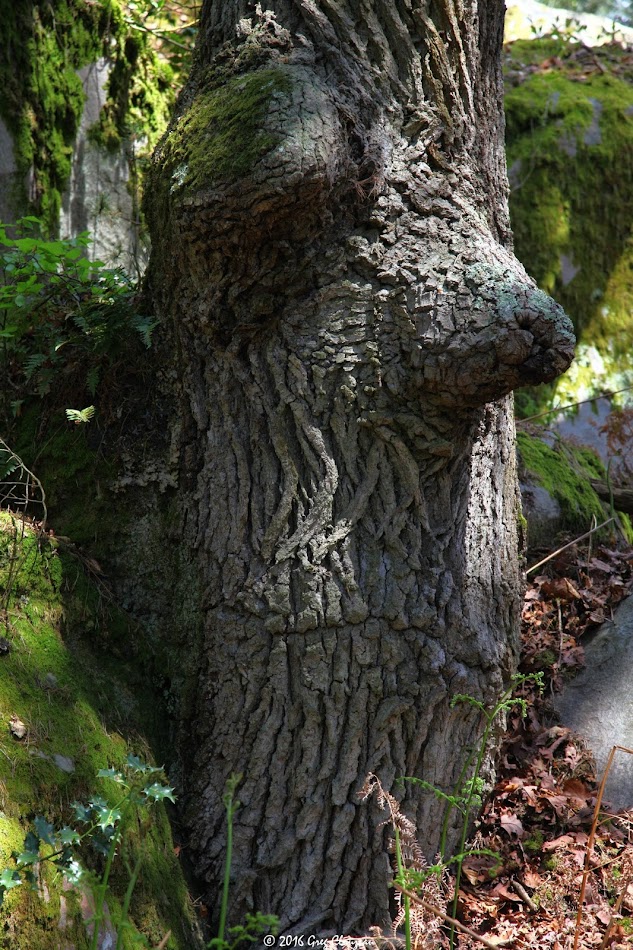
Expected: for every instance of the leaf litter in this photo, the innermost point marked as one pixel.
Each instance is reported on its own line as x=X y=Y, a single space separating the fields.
x=538 y=817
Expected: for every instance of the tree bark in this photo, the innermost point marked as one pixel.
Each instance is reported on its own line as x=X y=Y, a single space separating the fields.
x=332 y=256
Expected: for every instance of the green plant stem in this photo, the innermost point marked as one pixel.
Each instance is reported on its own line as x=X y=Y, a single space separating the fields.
x=483 y=745
x=100 y=893
x=451 y=806
x=231 y=807
x=102 y=888
x=127 y=900
x=467 y=806
x=405 y=897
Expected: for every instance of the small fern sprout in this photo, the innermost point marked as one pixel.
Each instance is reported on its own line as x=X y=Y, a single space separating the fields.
x=79 y=416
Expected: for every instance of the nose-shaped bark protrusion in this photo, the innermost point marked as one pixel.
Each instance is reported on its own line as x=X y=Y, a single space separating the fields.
x=495 y=333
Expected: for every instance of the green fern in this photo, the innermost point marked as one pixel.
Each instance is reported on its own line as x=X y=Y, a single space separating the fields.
x=79 y=416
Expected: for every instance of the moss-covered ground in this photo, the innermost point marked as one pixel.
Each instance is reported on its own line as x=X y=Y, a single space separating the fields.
x=569 y=115
x=85 y=707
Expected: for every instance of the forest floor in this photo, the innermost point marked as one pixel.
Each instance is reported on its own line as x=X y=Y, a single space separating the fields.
x=540 y=816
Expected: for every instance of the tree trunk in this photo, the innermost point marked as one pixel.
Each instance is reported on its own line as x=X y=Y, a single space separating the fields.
x=332 y=256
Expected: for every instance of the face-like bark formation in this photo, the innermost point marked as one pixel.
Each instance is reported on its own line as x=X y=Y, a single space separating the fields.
x=331 y=246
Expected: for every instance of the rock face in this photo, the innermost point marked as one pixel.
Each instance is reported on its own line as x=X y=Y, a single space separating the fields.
x=569 y=136
x=542 y=513
x=598 y=704
x=8 y=171
x=100 y=195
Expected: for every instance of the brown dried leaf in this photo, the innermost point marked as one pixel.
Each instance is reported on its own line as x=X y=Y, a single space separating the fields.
x=510 y=823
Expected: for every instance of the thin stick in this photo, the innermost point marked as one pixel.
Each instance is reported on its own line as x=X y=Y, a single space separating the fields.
x=615 y=910
x=571 y=405
x=523 y=894
x=592 y=836
x=451 y=920
x=569 y=545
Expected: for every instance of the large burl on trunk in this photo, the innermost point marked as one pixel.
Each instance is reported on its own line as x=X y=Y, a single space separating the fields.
x=332 y=258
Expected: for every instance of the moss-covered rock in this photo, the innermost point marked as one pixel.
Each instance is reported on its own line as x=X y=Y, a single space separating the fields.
x=569 y=114
x=85 y=707
x=45 y=45
x=564 y=471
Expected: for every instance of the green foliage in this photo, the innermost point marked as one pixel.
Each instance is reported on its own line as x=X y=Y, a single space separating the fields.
x=162 y=21
x=60 y=312
x=104 y=829
x=467 y=795
x=565 y=472
x=570 y=159
x=68 y=677
x=79 y=416
x=562 y=34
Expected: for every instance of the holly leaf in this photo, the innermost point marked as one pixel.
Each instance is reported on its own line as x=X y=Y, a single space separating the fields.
x=27 y=858
x=114 y=774
x=159 y=793
x=81 y=812
x=69 y=836
x=9 y=879
x=45 y=830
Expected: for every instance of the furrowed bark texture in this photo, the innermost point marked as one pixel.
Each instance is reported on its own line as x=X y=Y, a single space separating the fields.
x=349 y=320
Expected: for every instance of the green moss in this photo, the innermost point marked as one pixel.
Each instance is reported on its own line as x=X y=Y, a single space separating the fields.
x=140 y=96
x=42 y=97
x=222 y=135
x=42 y=102
x=570 y=155
x=535 y=842
x=84 y=710
x=565 y=473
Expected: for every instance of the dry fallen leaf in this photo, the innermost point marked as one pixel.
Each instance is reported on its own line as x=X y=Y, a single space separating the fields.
x=511 y=824
x=17 y=728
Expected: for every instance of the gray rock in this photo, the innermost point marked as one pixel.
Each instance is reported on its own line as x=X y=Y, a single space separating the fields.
x=542 y=513
x=98 y=198
x=8 y=174
x=598 y=704
x=64 y=763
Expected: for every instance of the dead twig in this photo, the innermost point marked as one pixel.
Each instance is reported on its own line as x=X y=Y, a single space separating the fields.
x=431 y=908
x=570 y=544
x=592 y=837
x=523 y=894
x=572 y=405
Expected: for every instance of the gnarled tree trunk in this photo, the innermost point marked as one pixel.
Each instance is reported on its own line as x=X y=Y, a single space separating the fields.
x=332 y=254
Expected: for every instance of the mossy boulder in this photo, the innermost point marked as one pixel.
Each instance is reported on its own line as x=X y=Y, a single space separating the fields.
x=569 y=115
x=564 y=471
x=45 y=47
x=70 y=705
